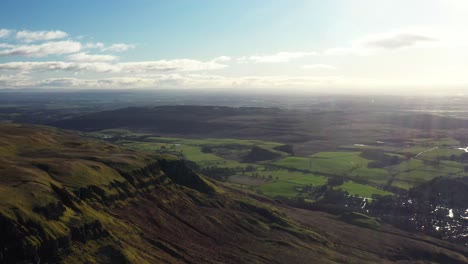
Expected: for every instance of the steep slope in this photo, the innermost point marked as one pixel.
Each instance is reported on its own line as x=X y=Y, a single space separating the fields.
x=67 y=199
x=73 y=200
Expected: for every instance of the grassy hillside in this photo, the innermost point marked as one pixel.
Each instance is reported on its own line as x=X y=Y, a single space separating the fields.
x=67 y=199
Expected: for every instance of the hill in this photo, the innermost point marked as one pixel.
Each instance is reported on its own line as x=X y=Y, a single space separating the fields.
x=215 y=121
x=64 y=198
x=307 y=130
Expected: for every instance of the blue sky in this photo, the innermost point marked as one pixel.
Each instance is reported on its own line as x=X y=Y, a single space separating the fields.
x=335 y=45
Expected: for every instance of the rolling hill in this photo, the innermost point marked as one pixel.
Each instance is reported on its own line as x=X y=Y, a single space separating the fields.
x=68 y=199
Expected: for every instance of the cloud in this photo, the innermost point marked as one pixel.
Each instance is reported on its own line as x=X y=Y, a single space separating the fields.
x=118 y=47
x=174 y=80
x=248 y=82
x=275 y=58
x=84 y=57
x=4 y=32
x=31 y=36
x=6 y=46
x=318 y=67
x=49 y=66
x=163 y=80
x=170 y=65
x=145 y=67
x=284 y=81
x=42 y=50
x=117 y=82
x=395 y=40
x=222 y=59
x=94 y=45
x=15 y=80
x=355 y=50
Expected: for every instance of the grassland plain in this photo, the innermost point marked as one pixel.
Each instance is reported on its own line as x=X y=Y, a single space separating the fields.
x=261 y=177
x=361 y=190
x=349 y=164
x=291 y=187
x=294 y=172
x=326 y=162
x=277 y=182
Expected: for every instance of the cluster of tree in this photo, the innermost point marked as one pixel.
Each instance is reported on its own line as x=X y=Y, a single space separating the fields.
x=259 y=154
x=335 y=181
x=221 y=173
x=265 y=177
x=285 y=148
x=461 y=158
x=206 y=149
x=218 y=173
x=379 y=158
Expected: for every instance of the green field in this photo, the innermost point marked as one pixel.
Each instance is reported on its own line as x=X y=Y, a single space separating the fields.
x=289 y=188
x=349 y=164
x=326 y=162
x=309 y=180
x=361 y=189
x=286 y=175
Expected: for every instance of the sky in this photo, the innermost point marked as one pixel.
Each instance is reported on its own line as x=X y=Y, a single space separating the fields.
x=336 y=46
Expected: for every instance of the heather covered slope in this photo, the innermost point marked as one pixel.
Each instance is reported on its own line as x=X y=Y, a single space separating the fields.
x=73 y=200
x=67 y=199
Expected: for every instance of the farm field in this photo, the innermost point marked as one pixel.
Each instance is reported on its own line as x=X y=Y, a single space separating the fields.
x=361 y=190
x=289 y=175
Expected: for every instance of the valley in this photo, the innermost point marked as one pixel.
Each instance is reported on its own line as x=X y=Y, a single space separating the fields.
x=273 y=178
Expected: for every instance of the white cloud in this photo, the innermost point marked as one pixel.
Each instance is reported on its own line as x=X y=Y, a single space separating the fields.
x=275 y=58
x=178 y=65
x=15 y=80
x=126 y=82
x=318 y=67
x=31 y=36
x=6 y=46
x=42 y=50
x=84 y=57
x=190 y=80
x=4 y=32
x=170 y=65
x=117 y=82
x=283 y=81
x=248 y=82
x=175 y=81
x=118 y=47
x=222 y=59
x=94 y=45
x=355 y=50
x=395 y=40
